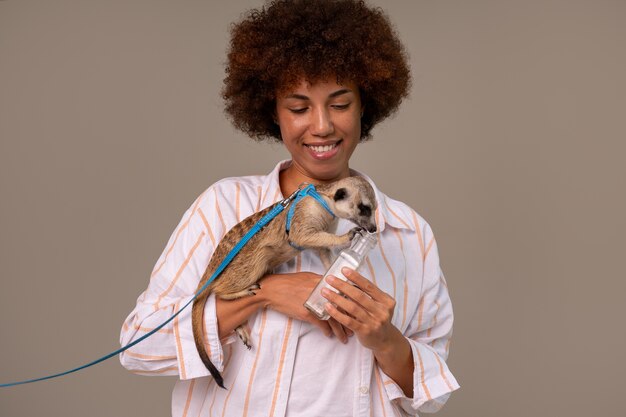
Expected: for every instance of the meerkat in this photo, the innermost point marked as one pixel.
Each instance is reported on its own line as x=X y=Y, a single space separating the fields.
x=351 y=198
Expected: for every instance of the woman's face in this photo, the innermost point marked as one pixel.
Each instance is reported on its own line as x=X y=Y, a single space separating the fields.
x=320 y=125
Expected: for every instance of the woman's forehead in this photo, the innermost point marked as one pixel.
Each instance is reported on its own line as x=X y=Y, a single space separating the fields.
x=329 y=87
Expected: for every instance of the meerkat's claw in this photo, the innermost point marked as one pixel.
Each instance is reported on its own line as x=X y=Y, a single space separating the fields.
x=244 y=336
x=353 y=232
x=252 y=289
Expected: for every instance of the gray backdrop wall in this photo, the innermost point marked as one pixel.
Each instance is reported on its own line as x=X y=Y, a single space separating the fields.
x=511 y=146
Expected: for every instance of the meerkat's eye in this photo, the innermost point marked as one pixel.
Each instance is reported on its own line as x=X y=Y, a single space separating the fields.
x=340 y=194
x=365 y=210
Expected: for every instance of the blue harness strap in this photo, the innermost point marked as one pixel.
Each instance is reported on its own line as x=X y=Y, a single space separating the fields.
x=258 y=226
x=309 y=191
x=292 y=200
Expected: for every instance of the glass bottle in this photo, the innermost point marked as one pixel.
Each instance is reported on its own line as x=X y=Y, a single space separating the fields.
x=351 y=257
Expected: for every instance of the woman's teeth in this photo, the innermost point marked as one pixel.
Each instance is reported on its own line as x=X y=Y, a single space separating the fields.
x=324 y=148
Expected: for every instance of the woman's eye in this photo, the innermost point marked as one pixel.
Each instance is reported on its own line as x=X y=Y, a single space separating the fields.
x=298 y=111
x=341 y=106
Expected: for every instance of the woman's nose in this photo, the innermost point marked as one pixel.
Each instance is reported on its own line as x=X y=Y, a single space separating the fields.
x=322 y=125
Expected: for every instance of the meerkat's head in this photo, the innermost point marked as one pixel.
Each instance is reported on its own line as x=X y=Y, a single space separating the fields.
x=353 y=198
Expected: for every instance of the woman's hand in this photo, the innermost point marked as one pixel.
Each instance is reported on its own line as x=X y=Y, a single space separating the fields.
x=367 y=310
x=286 y=293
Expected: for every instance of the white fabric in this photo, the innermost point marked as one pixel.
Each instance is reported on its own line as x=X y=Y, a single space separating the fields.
x=292 y=369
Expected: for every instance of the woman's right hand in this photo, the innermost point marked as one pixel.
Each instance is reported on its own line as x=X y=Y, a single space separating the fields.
x=286 y=293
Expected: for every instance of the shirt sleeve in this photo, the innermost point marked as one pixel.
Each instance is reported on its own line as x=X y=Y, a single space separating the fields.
x=173 y=282
x=429 y=334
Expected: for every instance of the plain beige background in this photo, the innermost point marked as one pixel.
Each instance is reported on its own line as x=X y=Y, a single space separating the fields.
x=511 y=146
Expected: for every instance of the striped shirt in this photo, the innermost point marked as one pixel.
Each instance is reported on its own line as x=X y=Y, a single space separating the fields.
x=292 y=369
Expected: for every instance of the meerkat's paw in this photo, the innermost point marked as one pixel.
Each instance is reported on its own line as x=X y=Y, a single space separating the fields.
x=243 y=334
x=353 y=232
x=251 y=290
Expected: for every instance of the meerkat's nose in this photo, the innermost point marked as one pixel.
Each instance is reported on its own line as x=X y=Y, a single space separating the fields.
x=372 y=229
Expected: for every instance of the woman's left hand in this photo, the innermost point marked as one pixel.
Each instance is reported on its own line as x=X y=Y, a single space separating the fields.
x=365 y=309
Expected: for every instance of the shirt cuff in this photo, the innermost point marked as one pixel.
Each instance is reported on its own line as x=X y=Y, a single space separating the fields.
x=189 y=363
x=432 y=382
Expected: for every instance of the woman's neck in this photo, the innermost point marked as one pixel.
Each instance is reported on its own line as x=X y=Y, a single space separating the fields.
x=291 y=178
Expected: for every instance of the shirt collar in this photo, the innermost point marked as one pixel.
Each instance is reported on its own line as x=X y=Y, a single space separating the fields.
x=388 y=212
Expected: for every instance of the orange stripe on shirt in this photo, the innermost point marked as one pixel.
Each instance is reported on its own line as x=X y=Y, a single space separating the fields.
x=179 y=347
x=396 y=215
x=419 y=235
x=258 y=203
x=208 y=227
x=149 y=357
x=179 y=272
x=281 y=363
x=420 y=313
x=434 y=319
x=430 y=245
x=189 y=395
x=156 y=372
x=404 y=281
x=441 y=368
x=371 y=269
x=442 y=372
x=443 y=281
x=219 y=214
x=380 y=391
x=393 y=275
x=267 y=191
x=256 y=360
x=422 y=378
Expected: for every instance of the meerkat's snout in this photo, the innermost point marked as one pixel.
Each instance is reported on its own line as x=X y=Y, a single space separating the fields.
x=368 y=224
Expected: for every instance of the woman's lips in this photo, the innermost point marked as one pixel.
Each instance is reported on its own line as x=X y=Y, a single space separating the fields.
x=324 y=151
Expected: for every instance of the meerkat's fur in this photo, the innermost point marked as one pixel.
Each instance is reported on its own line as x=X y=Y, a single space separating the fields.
x=350 y=198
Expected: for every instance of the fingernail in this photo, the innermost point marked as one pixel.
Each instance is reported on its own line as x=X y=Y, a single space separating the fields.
x=346 y=271
x=330 y=279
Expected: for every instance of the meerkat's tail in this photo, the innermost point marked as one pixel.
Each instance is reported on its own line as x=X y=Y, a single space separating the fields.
x=197 y=318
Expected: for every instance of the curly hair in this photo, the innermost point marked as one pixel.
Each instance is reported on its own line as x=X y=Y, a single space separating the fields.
x=276 y=46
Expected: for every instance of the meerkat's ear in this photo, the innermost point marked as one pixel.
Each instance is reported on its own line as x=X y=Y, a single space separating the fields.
x=340 y=194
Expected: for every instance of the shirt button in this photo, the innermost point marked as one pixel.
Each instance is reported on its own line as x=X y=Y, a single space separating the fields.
x=364 y=390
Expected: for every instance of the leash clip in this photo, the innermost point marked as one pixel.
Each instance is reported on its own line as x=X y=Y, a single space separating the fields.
x=293 y=195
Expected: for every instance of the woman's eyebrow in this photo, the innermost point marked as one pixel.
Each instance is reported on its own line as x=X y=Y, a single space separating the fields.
x=340 y=92
x=332 y=95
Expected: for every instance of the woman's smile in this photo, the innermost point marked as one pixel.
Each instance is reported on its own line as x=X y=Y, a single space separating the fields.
x=324 y=150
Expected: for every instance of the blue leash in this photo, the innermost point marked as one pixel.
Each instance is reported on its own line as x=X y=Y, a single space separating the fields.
x=309 y=190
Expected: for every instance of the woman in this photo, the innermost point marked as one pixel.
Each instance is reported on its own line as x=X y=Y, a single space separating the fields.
x=317 y=76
